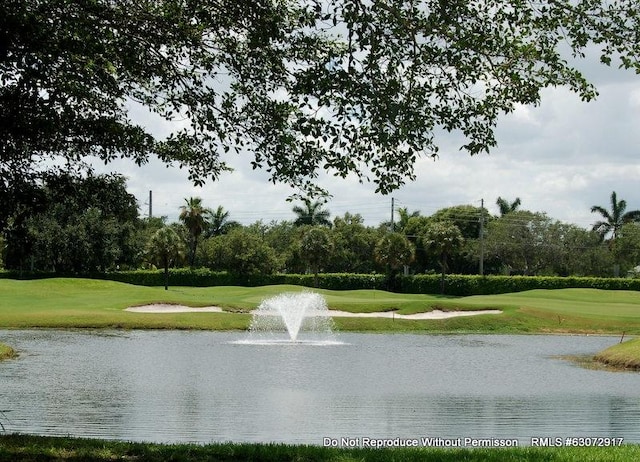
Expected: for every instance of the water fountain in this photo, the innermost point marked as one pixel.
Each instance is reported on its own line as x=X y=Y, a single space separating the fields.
x=289 y=318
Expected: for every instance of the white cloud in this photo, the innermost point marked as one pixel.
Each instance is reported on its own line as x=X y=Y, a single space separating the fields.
x=634 y=98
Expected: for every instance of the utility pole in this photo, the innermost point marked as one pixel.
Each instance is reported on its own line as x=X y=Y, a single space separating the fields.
x=481 y=237
x=150 y=202
x=392 y=213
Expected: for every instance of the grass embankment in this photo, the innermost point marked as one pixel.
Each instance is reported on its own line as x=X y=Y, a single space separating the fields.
x=6 y=352
x=19 y=448
x=625 y=355
x=94 y=303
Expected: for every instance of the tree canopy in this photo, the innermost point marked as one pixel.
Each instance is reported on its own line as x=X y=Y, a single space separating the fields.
x=74 y=224
x=306 y=86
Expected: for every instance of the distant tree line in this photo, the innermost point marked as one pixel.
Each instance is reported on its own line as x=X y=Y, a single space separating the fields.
x=70 y=223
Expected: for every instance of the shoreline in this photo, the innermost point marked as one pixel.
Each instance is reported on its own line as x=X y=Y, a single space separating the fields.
x=28 y=447
x=624 y=356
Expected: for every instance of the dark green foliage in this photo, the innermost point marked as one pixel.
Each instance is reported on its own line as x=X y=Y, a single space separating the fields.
x=456 y=284
x=316 y=248
x=68 y=70
x=311 y=214
x=507 y=207
x=77 y=224
x=245 y=254
x=393 y=251
x=614 y=219
x=219 y=222
x=442 y=239
x=354 y=245
x=194 y=217
x=200 y=277
x=338 y=281
x=465 y=217
x=463 y=285
x=203 y=277
x=165 y=249
x=524 y=242
x=392 y=76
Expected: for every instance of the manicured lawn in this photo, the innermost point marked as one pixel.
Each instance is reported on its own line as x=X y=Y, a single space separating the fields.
x=624 y=355
x=16 y=448
x=95 y=303
x=589 y=303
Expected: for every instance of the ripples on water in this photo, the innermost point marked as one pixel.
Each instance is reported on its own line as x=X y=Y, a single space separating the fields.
x=173 y=386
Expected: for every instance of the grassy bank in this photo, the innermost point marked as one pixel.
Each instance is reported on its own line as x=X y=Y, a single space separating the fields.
x=625 y=355
x=66 y=303
x=6 y=352
x=16 y=448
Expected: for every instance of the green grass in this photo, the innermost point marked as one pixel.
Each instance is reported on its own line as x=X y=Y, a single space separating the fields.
x=625 y=355
x=24 y=448
x=65 y=302
x=6 y=352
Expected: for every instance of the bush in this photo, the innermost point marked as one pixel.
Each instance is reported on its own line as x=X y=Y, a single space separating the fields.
x=460 y=285
x=203 y=277
x=463 y=285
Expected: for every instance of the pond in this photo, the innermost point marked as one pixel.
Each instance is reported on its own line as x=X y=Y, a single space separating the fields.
x=181 y=386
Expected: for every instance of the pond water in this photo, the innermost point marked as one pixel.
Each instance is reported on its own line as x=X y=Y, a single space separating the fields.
x=172 y=386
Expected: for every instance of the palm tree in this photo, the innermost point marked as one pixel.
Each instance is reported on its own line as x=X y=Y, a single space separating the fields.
x=614 y=219
x=612 y=223
x=393 y=251
x=443 y=239
x=311 y=214
x=405 y=216
x=219 y=222
x=165 y=248
x=506 y=207
x=193 y=216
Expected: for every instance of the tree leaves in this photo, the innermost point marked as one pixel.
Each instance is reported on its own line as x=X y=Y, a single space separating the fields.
x=303 y=86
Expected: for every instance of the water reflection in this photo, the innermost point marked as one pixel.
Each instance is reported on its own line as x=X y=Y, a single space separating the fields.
x=200 y=386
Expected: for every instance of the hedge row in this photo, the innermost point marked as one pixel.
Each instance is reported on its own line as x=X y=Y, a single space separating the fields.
x=488 y=285
x=428 y=284
x=204 y=278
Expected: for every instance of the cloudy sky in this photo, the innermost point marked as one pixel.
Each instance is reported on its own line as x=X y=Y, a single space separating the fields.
x=560 y=157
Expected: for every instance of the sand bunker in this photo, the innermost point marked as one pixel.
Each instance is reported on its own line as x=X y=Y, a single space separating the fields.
x=435 y=314
x=168 y=308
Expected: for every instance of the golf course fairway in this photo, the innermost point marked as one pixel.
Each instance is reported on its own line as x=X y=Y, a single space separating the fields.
x=89 y=303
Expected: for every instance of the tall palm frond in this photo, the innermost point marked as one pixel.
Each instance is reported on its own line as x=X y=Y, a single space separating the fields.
x=405 y=216
x=613 y=219
x=165 y=249
x=311 y=214
x=219 y=222
x=507 y=207
x=192 y=215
